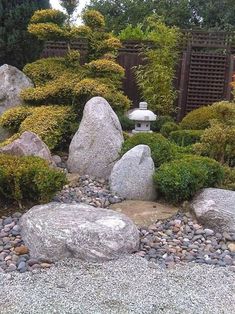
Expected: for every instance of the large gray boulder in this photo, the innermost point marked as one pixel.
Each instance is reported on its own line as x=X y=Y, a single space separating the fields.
x=215 y=208
x=12 y=82
x=132 y=175
x=57 y=231
x=28 y=144
x=95 y=147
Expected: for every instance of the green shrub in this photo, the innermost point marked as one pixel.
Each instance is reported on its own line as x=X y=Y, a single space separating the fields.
x=179 y=180
x=160 y=121
x=168 y=127
x=13 y=117
x=161 y=149
x=126 y=123
x=28 y=179
x=185 y=137
x=133 y=33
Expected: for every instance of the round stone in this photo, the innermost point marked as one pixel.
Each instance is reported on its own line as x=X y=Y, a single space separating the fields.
x=57 y=231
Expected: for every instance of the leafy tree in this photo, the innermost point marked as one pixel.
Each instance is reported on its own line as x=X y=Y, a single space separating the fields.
x=119 y=13
x=17 y=46
x=210 y=14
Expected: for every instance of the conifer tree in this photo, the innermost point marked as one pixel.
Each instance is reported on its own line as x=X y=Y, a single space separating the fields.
x=17 y=46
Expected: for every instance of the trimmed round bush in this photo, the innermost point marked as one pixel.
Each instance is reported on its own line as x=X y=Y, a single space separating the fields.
x=168 y=127
x=48 y=16
x=186 y=137
x=24 y=179
x=179 y=180
x=198 y=119
x=160 y=121
x=94 y=19
x=161 y=148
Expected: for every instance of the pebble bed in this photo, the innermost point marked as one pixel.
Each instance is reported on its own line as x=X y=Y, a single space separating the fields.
x=182 y=239
x=14 y=255
x=169 y=242
x=88 y=190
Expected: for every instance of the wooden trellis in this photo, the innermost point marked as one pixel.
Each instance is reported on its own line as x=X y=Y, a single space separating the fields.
x=206 y=70
x=203 y=74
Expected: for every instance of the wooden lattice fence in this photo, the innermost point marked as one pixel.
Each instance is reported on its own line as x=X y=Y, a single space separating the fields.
x=203 y=74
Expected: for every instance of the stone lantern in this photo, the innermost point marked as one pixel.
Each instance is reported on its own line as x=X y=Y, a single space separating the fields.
x=142 y=118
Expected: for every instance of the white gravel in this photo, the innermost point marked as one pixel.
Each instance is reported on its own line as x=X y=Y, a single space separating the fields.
x=129 y=285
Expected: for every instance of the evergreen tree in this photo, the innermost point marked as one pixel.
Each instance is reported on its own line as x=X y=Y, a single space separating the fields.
x=17 y=46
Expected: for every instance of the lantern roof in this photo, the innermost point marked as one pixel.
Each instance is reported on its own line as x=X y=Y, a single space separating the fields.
x=142 y=113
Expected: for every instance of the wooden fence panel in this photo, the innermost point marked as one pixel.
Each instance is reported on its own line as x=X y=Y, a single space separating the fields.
x=203 y=74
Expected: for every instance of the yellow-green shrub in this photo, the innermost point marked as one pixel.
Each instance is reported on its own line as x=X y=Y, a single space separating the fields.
x=88 y=88
x=10 y=139
x=112 y=72
x=53 y=124
x=13 y=117
x=199 y=119
x=58 y=91
x=47 y=31
x=218 y=142
x=48 y=15
x=94 y=19
x=28 y=179
x=44 y=70
x=229 y=179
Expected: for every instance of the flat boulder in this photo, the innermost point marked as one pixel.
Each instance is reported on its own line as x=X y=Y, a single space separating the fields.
x=132 y=175
x=28 y=144
x=12 y=82
x=95 y=147
x=145 y=213
x=57 y=231
x=215 y=208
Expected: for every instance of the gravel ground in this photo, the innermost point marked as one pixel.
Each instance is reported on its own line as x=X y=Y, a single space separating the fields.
x=129 y=285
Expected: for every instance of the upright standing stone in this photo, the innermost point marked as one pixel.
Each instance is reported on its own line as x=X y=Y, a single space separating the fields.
x=12 y=82
x=95 y=147
x=132 y=175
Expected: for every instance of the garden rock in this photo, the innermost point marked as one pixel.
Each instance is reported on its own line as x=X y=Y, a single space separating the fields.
x=13 y=81
x=95 y=147
x=132 y=175
x=215 y=208
x=28 y=144
x=57 y=231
